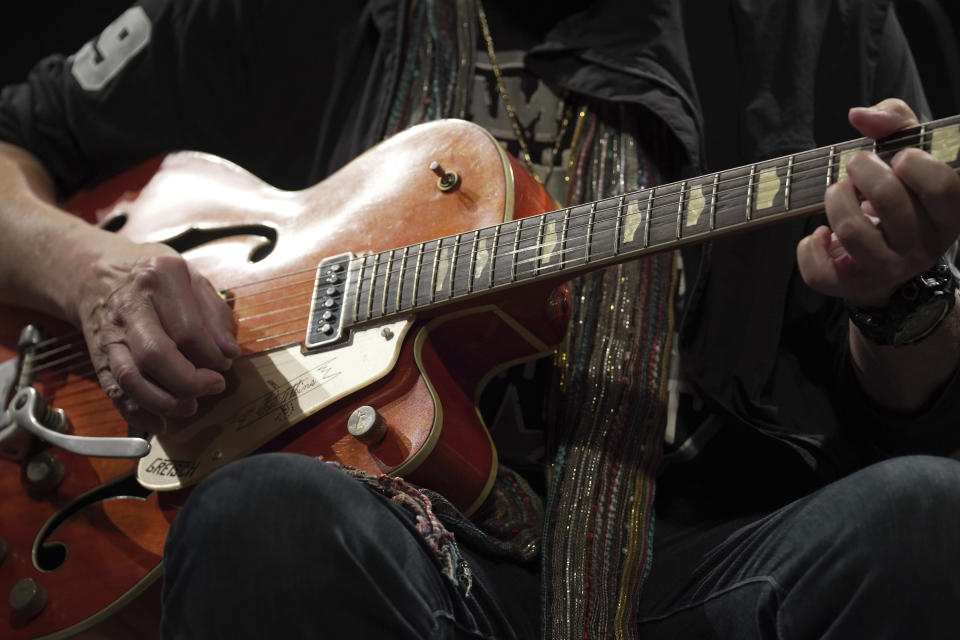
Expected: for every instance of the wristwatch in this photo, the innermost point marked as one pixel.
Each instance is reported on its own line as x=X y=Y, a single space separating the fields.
x=915 y=309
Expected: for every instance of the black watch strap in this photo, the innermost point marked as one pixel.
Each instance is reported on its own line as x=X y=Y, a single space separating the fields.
x=914 y=311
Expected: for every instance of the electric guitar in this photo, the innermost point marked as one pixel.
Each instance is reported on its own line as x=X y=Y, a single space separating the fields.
x=372 y=309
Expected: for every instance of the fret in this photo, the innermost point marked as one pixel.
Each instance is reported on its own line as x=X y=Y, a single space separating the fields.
x=945 y=142
x=565 y=237
x=807 y=179
x=473 y=260
x=401 y=278
x=453 y=264
x=429 y=265
x=435 y=269
x=494 y=254
x=551 y=248
x=540 y=245
x=441 y=280
x=604 y=235
x=786 y=189
x=713 y=201
x=516 y=254
x=618 y=226
x=648 y=219
x=663 y=228
x=373 y=286
x=730 y=197
x=484 y=256
x=503 y=268
x=360 y=287
x=589 y=240
x=631 y=221
x=768 y=192
x=923 y=138
x=386 y=283
x=577 y=230
x=530 y=249
x=417 y=271
x=833 y=151
x=694 y=205
x=683 y=191
x=753 y=175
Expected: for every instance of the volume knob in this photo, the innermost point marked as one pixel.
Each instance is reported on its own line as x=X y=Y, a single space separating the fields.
x=45 y=471
x=28 y=598
x=366 y=425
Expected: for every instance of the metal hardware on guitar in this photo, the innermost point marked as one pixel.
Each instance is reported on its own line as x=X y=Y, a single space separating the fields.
x=29 y=412
x=28 y=403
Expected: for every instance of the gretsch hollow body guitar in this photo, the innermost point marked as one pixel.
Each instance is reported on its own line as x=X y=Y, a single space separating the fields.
x=372 y=309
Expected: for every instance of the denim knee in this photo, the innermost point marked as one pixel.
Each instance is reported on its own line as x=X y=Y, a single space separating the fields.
x=878 y=559
x=908 y=507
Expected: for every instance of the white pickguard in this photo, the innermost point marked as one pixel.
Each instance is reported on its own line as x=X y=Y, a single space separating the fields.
x=274 y=391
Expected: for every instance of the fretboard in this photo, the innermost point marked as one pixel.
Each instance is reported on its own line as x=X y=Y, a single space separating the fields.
x=584 y=237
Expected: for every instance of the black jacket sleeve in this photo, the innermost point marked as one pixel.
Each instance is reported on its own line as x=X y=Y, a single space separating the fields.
x=245 y=80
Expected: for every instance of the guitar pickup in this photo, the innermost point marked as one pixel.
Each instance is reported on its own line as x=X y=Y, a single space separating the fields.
x=326 y=323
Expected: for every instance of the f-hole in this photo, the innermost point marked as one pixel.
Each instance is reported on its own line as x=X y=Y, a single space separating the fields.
x=50 y=556
x=194 y=238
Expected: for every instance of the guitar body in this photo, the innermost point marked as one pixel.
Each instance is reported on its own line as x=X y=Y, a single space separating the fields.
x=94 y=541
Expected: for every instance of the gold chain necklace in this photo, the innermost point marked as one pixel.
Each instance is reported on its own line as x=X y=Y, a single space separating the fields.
x=511 y=112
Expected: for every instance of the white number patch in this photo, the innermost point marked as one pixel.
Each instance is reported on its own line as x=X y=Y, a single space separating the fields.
x=102 y=58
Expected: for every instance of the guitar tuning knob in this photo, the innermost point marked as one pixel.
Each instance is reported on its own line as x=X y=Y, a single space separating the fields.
x=367 y=426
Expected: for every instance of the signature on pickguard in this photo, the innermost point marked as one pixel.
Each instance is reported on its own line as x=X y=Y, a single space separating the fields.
x=280 y=401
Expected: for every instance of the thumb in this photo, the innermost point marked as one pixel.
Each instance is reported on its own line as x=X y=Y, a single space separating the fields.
x=883 y=119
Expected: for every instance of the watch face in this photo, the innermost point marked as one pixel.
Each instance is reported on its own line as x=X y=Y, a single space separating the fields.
x=922 y=321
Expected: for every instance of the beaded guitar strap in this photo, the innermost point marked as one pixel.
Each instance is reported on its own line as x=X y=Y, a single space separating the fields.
x=610 y=399
x=610 y=389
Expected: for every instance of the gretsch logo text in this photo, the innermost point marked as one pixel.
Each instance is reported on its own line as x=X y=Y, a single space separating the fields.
x=167 y=468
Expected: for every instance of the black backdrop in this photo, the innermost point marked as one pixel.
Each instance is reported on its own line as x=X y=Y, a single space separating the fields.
x=31 y=29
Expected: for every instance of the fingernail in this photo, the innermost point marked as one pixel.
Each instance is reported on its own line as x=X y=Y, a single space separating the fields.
x=232 y=349
x=216 y=387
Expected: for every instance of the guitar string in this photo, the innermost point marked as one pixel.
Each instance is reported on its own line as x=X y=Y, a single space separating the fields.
x=298 y=331
x=660 y=221
x=726 y=202
x=656 y=222
x=668 y=201
x=571 y=241
x=657 y=206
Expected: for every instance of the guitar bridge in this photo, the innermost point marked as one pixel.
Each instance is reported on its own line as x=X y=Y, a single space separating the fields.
x=325 y=326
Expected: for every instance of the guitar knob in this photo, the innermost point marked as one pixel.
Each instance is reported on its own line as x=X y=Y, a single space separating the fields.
x=45 y=471
x=28 y=598
x=367 y=426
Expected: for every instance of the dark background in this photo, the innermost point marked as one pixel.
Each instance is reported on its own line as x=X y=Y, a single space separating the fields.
x=31 y=30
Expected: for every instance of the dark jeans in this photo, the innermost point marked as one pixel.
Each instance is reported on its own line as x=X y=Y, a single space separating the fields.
x=281 y=546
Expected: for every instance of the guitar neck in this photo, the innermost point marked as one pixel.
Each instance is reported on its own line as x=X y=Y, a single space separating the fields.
x=570 y=241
